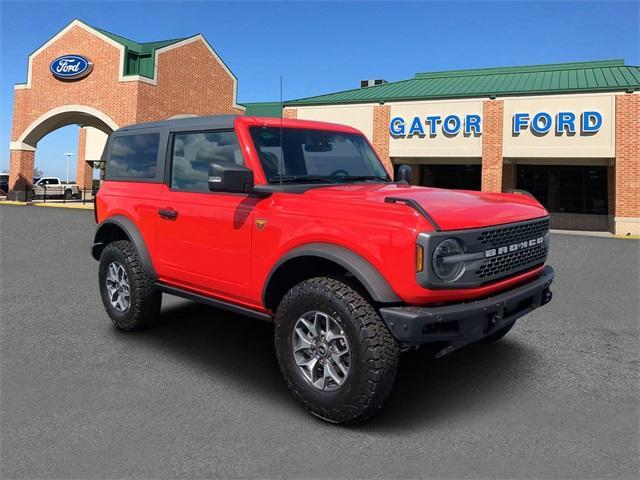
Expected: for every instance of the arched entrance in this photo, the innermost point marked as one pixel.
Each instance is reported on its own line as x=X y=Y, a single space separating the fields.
x=23 y=150
x=121 y=82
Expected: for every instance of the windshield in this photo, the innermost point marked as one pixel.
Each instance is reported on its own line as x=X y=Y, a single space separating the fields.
x=320 y=156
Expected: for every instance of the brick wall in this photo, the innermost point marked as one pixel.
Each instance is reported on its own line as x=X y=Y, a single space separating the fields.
x=21 y=163
x=509 y=179
x=290 y=113
x=627 y=169
x=84 y=172
x=204 y=88
x=492 y=161
x=381 y=118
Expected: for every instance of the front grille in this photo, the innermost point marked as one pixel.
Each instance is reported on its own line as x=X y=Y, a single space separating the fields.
x=498 y=236
x=492 y=253
x=510 y=263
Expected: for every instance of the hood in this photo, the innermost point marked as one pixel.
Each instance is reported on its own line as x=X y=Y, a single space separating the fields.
x=450 y=209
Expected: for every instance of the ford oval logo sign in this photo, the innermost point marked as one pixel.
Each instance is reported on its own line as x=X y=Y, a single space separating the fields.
x=71 y=67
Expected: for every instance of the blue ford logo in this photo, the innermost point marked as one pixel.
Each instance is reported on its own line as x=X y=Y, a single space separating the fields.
x=71 y=67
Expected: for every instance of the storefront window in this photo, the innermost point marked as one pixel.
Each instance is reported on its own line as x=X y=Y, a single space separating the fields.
x=465 y=177
x=566 y=189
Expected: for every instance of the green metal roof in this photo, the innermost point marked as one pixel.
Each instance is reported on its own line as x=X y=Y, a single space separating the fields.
x=139 y=57
x=264 y=109
x=579 y=77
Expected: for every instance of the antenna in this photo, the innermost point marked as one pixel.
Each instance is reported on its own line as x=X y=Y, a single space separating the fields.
x=281 y=166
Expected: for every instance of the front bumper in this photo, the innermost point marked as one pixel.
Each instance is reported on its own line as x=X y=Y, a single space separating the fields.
x=469 y=322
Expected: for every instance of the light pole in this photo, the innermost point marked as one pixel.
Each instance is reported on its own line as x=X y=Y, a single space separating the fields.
x=68 y=155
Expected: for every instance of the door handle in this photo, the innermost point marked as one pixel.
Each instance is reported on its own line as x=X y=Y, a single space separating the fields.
x=168 y=214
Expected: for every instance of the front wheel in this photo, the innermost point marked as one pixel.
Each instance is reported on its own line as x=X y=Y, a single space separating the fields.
x=335 y=353
x=126 y=288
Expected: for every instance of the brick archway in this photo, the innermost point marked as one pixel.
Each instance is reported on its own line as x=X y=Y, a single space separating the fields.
x=130 y=82
x=24 y=148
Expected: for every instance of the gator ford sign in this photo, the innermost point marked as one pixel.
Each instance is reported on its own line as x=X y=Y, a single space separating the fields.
x=539 y=123
x=71 y=67
x=542 y=123
x=432 y=125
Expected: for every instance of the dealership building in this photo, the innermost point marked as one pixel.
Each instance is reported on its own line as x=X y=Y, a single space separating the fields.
x=569 y=134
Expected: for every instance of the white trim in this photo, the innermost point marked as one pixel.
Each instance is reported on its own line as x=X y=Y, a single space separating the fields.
x=21 y=146
x=59 y=110
x=627 y=219
x=121 y=48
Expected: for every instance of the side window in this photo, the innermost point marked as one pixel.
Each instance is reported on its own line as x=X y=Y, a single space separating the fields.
x=53 y=181
x=194 y=152
x=133 y=156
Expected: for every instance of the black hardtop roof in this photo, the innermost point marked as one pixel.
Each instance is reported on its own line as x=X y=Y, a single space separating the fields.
x=213 y=121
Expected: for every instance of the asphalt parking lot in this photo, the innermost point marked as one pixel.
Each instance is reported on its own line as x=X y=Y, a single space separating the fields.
x=200 y=395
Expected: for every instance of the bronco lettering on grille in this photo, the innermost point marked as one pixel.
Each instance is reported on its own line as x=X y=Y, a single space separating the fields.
x=492 y=252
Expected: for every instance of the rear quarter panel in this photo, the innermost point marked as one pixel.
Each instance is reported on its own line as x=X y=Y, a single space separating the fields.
x=137 y=201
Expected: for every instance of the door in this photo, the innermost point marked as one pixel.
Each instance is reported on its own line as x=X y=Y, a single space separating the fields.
x=204 y=238
x=54 y=187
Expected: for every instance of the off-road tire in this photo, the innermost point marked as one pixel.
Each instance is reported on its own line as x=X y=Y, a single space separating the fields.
x=495 y=336
x=145 y=300
x=374 y=352
x=68 y=194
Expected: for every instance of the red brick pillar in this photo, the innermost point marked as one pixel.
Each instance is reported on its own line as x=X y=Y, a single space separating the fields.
x=508 y=177
x=492 y=161
x=627 y=169
x=290 y=113
x=21 y=163
x=380 y=140
x=84 y=171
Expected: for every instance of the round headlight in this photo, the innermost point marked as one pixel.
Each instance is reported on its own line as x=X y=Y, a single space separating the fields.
x=445 y=267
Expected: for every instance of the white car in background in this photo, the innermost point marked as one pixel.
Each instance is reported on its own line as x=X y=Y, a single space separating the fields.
x=53 y=187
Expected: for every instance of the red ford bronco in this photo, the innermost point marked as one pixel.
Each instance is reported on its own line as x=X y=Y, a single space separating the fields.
x=299 y=223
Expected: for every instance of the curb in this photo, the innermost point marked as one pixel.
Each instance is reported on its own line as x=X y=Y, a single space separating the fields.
x=72 y=206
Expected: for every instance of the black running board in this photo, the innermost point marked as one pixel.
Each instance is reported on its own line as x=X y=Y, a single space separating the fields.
x=213 y=302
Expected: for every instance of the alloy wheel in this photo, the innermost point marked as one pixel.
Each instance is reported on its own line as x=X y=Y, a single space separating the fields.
x=321 y=350
x=118 y=288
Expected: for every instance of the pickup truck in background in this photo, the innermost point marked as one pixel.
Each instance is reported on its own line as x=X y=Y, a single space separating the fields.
x=53 y=187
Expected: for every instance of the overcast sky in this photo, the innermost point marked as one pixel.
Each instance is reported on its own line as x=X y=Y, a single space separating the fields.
x=320 y=47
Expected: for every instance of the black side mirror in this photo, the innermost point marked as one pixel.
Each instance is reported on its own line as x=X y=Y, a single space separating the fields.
x=405 y=174
x=230 y=177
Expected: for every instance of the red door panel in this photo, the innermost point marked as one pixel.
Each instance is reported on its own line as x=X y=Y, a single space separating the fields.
x=204 y=241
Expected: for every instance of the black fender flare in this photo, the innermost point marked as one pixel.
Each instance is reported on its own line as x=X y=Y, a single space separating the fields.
x=133 y=234
x=360 y=268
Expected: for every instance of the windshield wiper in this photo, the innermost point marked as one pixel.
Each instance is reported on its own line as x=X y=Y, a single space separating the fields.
x=299 y=179
x=357 y=178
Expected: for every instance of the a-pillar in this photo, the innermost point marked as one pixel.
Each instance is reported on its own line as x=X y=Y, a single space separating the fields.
x=84 y=171
x=492 y=160
x=21 y=163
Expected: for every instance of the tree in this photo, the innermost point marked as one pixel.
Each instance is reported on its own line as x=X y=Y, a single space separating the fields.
x=38 y=172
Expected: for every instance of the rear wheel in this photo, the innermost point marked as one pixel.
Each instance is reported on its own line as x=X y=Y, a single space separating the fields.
x=126 y=288
x=68 y=194
x=335 y=353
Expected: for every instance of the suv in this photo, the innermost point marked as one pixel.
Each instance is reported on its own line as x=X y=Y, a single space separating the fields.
x=298 y=223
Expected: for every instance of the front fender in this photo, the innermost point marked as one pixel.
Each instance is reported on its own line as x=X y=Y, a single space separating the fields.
x=367 y=274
